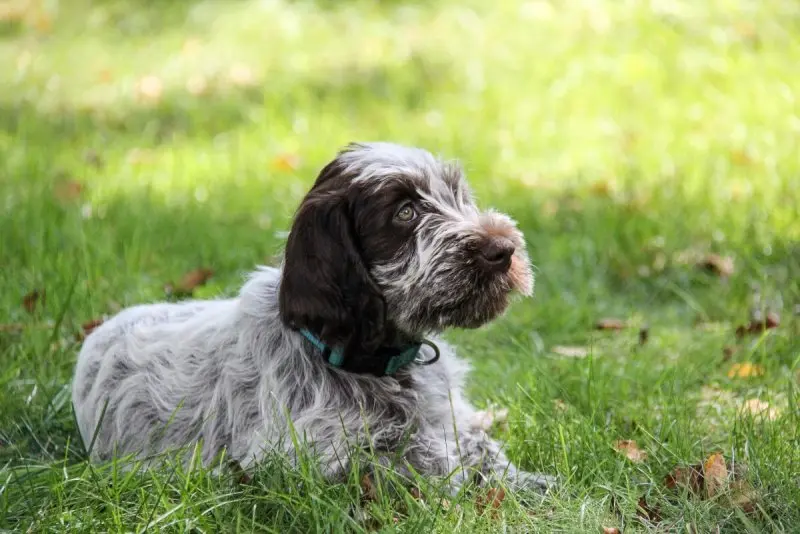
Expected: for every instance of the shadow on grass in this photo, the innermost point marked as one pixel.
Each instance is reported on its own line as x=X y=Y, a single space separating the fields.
x=179 y=115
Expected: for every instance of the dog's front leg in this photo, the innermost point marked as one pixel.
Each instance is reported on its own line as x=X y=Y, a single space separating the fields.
x=484 y=461
x=468 y=455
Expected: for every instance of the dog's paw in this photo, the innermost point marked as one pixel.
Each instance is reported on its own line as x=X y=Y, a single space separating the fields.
x=537 y=482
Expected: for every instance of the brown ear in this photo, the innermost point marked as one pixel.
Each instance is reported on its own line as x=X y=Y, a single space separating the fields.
x=325 y=285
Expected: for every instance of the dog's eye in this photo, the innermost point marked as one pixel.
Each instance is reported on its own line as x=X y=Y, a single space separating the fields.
x=406 y=213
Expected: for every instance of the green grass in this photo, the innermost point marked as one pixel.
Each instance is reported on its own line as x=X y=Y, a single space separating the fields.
x=623 y=136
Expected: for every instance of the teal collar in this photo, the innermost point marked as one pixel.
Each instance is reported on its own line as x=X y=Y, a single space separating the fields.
x=387 y=360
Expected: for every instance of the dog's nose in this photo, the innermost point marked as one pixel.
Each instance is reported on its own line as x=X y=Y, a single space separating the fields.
x=495 y=253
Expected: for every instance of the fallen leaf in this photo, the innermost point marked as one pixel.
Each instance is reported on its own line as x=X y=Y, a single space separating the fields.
x=68 y=190
x=89 y=326
x=720 y=265
x=715 y=474
x=760 y=409
x=610 y=530
x=601 y=188
x=570 y=352
x=286 y=162
x=645 y=511
x=415 y=494
x=150 y=88
x=689 y=477
x=493 y=500
x=610 y=324
x=631 y=450
x=745 y=370
x=30 y=300
x=368 y=491
x=728 y=352
x=743 y=496
x=188 y=283
x=560 y=405
x=242 y=477
x=756 y=326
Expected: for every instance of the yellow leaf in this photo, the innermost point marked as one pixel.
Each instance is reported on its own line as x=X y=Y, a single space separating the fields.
x=286 y=162
x=631 y=450
x=745 y=370
x=715 y=474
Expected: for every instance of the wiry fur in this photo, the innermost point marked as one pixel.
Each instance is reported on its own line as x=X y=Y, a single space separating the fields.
x=235 y=374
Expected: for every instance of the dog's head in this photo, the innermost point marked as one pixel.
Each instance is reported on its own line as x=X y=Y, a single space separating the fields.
x=389 y=239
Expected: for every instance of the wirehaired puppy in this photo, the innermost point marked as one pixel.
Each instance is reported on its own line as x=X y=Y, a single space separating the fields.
x=337 y=347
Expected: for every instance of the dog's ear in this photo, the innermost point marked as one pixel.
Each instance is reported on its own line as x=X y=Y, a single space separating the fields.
x=325 y=285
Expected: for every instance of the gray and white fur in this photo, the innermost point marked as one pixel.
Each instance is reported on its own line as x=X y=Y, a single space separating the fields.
x=388 y=247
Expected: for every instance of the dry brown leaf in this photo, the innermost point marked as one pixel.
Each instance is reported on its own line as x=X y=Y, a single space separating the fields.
x=745 y=370
x=631 y=450
x=743 y=496
x=492 y=500
x=690 y=477
x=760 y=409
x=720 y=265
x=286 y=162
x=89 y=326
x=560 y=405
x=756 y=326
x=570 y=351
x=368 y=490
x=610 y=324
x=610 y=530
x=188 y=283
x=150 y=88
x=241 y=476
x=30 y=301
x=68 y=190
x=715 y=474
x=645 y=511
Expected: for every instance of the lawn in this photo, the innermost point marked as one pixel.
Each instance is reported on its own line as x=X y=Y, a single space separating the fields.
x=632 y=140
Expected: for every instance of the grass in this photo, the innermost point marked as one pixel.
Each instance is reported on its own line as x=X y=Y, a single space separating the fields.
x=140 y=140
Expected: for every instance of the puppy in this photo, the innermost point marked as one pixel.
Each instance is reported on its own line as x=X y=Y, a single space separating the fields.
x=338 y=347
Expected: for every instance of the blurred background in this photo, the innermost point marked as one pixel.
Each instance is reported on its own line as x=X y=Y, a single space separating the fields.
x=631 y=139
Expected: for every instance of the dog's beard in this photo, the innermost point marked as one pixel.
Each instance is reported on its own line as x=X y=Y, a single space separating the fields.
x=459 y=299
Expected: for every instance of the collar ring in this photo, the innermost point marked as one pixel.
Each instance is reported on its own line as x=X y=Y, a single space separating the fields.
x=436 y=353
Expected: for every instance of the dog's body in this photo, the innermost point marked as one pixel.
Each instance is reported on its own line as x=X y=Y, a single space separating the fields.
x=238 y=376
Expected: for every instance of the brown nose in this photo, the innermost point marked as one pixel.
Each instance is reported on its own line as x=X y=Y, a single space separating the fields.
x=495 y=253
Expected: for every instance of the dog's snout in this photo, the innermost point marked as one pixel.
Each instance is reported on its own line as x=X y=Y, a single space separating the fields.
x=494 y=254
